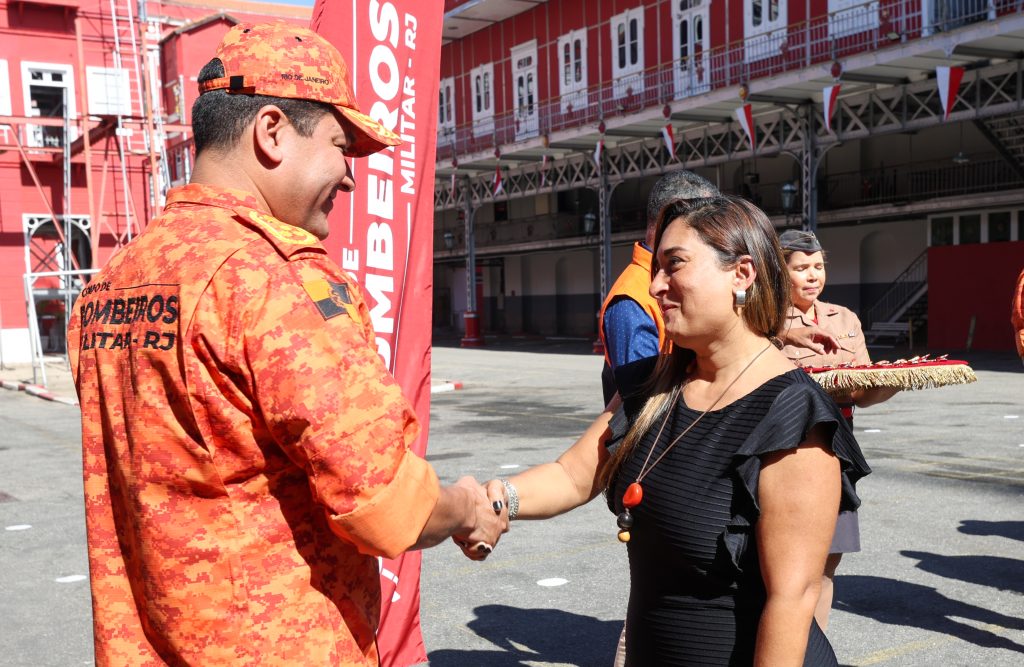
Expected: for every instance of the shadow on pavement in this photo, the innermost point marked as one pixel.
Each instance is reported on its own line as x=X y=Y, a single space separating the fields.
x=1012 y=529
x=1006 y=574
x=906 y=604
x=526 y=636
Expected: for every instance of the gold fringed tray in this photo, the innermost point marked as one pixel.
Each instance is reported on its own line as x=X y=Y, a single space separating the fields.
x=916 y=373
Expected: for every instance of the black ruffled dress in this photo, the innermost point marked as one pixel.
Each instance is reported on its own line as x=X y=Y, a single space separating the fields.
x=696 y=591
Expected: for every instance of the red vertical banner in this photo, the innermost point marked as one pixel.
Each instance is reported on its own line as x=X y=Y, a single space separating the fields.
x=383 y=232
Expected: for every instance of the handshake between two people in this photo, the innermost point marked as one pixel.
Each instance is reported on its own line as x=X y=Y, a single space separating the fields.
x=492 y=508
x=473 y=519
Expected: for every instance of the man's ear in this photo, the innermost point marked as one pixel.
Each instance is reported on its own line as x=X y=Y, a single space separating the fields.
x=745 y=273
x=269 y=133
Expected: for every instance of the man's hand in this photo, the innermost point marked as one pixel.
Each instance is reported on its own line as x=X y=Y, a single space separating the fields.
x=491 y=521
x=812 y=337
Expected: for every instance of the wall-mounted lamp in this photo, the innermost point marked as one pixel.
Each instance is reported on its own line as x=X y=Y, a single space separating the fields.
x=789 y=193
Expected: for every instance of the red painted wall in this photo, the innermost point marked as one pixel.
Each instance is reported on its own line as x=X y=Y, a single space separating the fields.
x=972 y=280
x=45 y=34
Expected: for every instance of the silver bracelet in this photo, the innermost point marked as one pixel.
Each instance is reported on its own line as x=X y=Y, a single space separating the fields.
x=513 y=499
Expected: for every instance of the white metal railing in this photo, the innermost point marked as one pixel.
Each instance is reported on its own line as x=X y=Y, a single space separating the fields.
x=867 y=27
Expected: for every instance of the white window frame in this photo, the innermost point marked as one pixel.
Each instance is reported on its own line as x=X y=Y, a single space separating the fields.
x=110 y=92
x=686 y=80
x=446 y=108
x=764 y=39
x=5 y=90
x=481 y=86
x=527 y=116
x=574 y=91
x=5 y=99
x=849 y=17
x=627 y=77
x=27 y=82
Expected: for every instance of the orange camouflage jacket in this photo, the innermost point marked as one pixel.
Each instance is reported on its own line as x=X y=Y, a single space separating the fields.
x=246 y=453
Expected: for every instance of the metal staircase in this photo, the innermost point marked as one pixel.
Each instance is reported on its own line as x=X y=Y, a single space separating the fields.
x=1006 y=134
x=901 y=313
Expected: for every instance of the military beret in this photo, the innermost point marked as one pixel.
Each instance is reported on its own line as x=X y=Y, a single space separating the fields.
x=796 y=239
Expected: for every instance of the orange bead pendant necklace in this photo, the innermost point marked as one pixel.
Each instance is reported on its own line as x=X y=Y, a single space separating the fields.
x=634 y=492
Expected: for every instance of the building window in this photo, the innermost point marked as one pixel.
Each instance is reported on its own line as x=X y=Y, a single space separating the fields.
x=5 y=90
x=482 y=82
x=572 y=60
x=999 y=226
x=446 y=107
x=627 y=52
x=691 y=42
x=764 y=28
x=47 y=88
x=970 y=229
x=942 y=231
x=524 y=79
x=849 y=17
x=109 y=91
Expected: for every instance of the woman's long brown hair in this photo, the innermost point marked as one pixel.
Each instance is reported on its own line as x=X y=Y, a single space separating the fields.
x=733 y=228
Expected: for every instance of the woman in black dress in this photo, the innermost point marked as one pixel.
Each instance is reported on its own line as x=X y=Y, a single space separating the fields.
x=733 y=467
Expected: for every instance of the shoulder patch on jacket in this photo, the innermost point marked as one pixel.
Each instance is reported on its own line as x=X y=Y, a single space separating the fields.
x=288 y=239
x=331 y=299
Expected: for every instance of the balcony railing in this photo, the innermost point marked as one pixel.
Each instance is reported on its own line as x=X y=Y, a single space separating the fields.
x=867 y=27
x=916 y=182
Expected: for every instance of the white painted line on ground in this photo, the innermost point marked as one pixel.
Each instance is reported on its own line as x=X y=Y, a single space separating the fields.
x=25 y=526
x=445 y=386
x=510 y=466
x=1011 y=417
x=872 y=430
x=553 y=581
x=70 y=579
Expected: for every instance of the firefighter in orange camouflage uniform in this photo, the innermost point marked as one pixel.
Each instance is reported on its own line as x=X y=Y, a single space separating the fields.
x=246 y=453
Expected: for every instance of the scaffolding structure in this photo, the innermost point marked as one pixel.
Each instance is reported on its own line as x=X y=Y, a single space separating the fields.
x=113 y=147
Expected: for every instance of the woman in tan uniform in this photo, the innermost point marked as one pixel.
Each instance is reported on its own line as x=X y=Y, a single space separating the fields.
x=806 y=263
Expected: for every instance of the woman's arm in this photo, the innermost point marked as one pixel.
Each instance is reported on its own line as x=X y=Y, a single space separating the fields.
x=863 y=398
x=798 y=493
x=551 y=489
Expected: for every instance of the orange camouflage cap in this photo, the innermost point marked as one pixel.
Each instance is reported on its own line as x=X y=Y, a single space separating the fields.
x=282 y=60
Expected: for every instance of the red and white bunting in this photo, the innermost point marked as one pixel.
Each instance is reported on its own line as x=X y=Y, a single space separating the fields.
x=498 y=187
x=670 y=139
x=745 y=115
x=597 y=154
x=829 y=94
x=543 y=171
x=948 y=79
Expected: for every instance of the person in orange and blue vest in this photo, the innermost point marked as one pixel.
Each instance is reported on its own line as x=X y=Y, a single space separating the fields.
x=631 y=328
x=246 y=453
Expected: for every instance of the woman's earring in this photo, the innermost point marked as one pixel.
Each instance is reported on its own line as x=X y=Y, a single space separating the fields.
x=741 y=297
